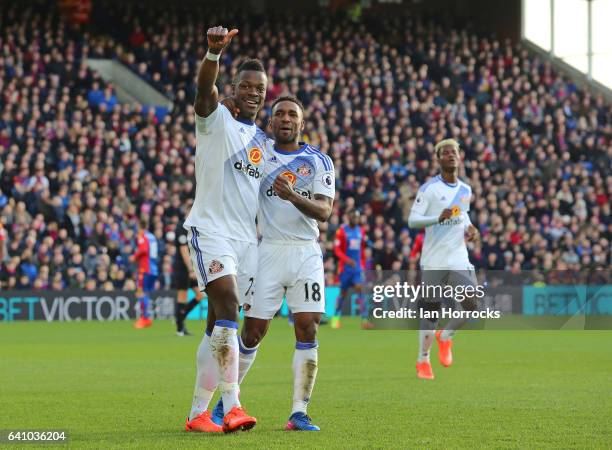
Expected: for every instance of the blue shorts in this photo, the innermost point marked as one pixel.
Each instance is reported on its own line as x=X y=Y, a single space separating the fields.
x=146 y=282
x=350 y=278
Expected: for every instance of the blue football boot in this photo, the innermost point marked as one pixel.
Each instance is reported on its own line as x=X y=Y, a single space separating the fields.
x=301 y=422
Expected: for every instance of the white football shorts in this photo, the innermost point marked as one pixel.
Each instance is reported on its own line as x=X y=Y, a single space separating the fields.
x=290 y=269
x=444 y=277
x=216 y=257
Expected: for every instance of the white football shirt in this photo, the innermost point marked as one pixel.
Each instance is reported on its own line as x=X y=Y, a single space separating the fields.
x=311 y=172
x=444 y=245
x=229 y=169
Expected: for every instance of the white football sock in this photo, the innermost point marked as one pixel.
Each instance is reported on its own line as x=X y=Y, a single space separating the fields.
x=457 y=323
x=447 y=333
x=305 y=360
x=426 y=338
x=207 y=378
x=224 y=347
x=246 y=359
x=452 y=326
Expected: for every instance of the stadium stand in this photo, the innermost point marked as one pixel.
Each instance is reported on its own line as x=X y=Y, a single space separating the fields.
x=77 y=168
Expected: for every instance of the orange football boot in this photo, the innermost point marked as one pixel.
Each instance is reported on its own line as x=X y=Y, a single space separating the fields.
x=445 y=352
x=143 y=323
x=424 y=371
x=238 y=419
x=202 y=423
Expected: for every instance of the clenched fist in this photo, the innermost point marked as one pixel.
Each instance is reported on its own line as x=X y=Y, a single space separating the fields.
x=219 y=38
x=446 y=214
x=283 y=187
x=472 y=234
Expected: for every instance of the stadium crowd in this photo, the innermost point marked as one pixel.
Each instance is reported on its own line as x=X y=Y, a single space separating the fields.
x=77 y=168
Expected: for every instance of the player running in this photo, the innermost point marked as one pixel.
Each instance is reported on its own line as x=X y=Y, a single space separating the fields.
x=298 y=189
x=221 y=226
x=349 y=248
x=441 y=207
x=183 y=278
x=145 y=257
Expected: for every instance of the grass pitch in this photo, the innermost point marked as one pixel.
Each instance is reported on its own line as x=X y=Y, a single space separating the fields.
x=111 y=386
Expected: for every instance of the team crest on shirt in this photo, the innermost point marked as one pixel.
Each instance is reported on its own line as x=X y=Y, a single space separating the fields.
x=304 y=170
x=290 y=176
x=464 y=199
x=255 y=155
x=215 y=267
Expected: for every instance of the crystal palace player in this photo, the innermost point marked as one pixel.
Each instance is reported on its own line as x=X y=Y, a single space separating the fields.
x=298 y=189
x=146 y=258
x=441 y=207
x=221 y=226
x=349 y=248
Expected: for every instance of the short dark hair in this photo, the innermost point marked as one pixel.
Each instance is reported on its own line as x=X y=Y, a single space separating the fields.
x=288 y=98
x=251 y=64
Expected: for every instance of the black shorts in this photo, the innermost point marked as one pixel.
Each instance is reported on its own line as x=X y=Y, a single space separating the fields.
x=181 y=280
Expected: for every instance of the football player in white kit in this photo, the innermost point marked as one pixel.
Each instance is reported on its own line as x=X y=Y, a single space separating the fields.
x=221 y=226
x=441 y=207
x=297 y=191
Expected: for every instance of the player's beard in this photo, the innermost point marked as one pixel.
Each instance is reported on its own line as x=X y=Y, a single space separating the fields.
x=290 y=139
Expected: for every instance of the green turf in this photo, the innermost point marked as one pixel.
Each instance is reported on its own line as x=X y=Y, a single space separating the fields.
x=111 y=386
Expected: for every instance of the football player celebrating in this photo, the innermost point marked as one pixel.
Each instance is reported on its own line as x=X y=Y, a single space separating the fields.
x=297 y=191
x=221 y=226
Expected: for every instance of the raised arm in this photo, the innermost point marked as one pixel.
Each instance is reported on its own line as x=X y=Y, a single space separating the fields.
x=207 y=95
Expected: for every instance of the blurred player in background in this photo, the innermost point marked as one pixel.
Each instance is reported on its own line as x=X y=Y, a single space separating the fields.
x=146 y=257
x=221 y=226
x=349 y=248
x=2 y=242
x=183 y=279
x=441 y=207
x=297 y=191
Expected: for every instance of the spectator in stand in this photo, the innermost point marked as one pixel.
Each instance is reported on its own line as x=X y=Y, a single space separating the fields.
x=78 y=169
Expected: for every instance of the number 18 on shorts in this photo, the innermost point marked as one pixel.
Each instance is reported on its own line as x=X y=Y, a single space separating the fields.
x=290 y=270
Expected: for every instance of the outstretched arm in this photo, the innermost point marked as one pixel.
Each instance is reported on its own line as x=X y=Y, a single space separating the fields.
x=207 y=95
